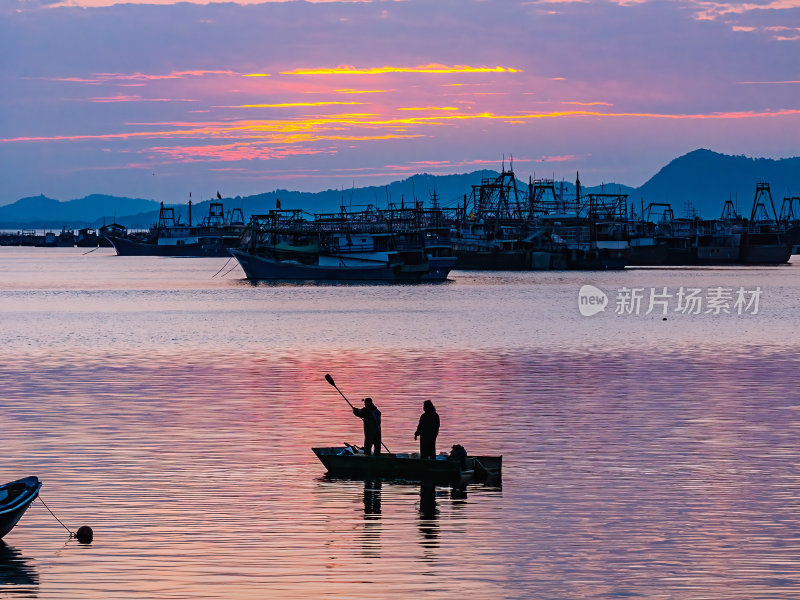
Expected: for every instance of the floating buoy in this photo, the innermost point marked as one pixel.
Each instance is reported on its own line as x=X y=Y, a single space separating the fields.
x=84 y=534
x=664 y=319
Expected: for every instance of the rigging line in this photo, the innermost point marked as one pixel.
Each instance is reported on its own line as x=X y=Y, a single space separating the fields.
x=71 y=533
x=231 y=269
x=90 y=251
x=222 y=267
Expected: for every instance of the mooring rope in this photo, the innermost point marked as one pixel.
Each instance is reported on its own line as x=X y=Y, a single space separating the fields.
x=71 y=533
x=231 y=269
x=90 y=251
x=222 y=267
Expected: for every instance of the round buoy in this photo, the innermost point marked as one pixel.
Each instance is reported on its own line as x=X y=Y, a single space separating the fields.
x=84 y=534
x=664 y=319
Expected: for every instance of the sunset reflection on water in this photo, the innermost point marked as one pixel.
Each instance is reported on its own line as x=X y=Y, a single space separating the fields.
x=639 y=459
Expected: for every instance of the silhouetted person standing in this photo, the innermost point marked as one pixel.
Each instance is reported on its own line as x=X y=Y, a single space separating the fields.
x=427 y=430
x=372 y=426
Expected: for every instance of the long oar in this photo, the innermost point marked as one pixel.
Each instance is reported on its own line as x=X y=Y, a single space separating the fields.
x=330 y=380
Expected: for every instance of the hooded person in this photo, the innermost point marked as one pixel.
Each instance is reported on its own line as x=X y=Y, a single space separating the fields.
x=427 y=430
x=372 y=426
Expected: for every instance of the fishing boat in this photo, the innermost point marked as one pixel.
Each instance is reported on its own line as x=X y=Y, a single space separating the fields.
x=283 y=245
x=504 y=230
x=732 y=239
x=87 y=238
x=15 y=497
x=211 y=238
x=111 y=230
x=347 y=461
x=439 y=250
x=263 y=267
x=427 y=226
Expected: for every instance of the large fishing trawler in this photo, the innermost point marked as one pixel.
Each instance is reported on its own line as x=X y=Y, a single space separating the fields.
x=368 y=245
x=216 y=234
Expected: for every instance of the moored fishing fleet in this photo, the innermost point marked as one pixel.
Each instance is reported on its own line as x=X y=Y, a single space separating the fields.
x=499 y=225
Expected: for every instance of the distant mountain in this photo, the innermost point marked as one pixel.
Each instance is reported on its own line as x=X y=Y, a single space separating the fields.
x=701 y=179
x=450 y=190
x=41 y=211
x=706 y=179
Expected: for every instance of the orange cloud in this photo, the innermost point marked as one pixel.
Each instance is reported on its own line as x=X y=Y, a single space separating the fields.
x=362 y=126
x=429 y=108
x=431 y=68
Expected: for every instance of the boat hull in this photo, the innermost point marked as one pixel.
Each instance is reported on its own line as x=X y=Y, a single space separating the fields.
x=439 y=268
x=766 y=254
x=262 y=268
x=595 y=259
x=468 y=260
x=207 y=247
x=407 y=466
x=15 y=498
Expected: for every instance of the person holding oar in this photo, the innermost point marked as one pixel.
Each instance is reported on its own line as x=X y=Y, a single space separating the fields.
x=372 y=422
x=372 y=426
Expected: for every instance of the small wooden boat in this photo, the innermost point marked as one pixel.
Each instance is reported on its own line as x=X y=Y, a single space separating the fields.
x=15 y=497
x=341 y=461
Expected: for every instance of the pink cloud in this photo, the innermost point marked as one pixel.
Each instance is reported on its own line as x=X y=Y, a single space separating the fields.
x=587 y=103
x=232 y=152
x=107 y=3
x=121 y=98
x=712 y=10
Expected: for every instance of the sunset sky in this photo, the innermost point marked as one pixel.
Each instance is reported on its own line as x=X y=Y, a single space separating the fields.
x=157 y=98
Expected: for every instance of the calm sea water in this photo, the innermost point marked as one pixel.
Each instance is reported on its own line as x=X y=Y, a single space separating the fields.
x=173 y=410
